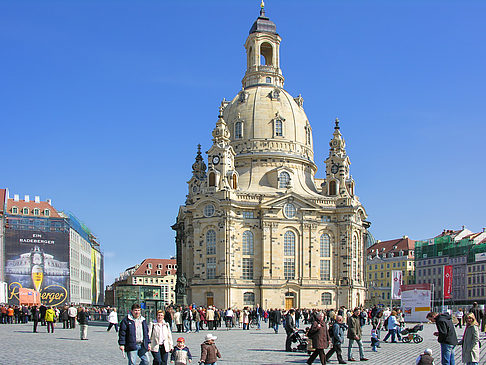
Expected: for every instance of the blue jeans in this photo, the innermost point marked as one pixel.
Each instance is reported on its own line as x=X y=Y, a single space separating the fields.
x=275 y=327
x=392 y=333
x=258 y=321
x=141 y=352
x=350 y=348
x=447 y=354
x=161 y=357
x=186 y=325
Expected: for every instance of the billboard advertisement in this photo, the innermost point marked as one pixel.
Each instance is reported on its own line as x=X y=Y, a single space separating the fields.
x=416 y=302
x=447 y=281
x=37 y=260
x=396 y=283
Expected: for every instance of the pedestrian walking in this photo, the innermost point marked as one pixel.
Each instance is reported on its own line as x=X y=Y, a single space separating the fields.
x=392 y=327
x=178 y=320
x=470 y=341
x=459 y=316
x=65 y=317
x=337 y=337
x=180 y=354
x=72 y=313
x=289 y=328
x=320 y=339
x=50 y=317
x=133 y=336
x=446 y=336
x=34 y=312
x=160 y=339
x=209 y=351
x=113 y=320
x=355 y=335
x=83 y=317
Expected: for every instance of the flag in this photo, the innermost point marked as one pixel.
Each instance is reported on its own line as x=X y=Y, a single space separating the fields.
x=447 y=281
x=396 y=290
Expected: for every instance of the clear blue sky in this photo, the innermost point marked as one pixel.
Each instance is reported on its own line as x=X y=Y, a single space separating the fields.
x=104 y=102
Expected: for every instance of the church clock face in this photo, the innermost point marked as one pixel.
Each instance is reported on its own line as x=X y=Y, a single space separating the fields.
x=334 y=168
x=215 y=160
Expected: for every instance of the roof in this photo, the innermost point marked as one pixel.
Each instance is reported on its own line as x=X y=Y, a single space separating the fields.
x=142 y=269
x=263 y=24
x=391 y=246
x=31 y=205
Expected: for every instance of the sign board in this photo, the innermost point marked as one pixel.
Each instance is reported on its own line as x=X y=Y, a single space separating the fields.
x=416 y=302
x=480 y=256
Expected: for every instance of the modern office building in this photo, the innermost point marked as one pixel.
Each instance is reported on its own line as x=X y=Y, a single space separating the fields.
x=258 y=227
x=51 y=252
x=381 y=259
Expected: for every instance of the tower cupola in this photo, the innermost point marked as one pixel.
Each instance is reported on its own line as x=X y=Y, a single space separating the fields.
x=263 y=53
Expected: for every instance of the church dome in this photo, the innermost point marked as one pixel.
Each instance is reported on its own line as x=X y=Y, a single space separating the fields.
x=266 y=120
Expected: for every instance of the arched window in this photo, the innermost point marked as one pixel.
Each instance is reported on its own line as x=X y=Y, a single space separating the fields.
x=238 y=130
x=47 y=212
x=278 y=128
x=247 y=243
x=325 y=246
x=212 y=179
x=266 y=52
x=235 y=182
x=36 y=211
x=211 y=242
x=326 y=298
x=15 y=210
x=283 y=180
x=332 y=188
x=289 y=243
x=25 y=211
x=249 y=298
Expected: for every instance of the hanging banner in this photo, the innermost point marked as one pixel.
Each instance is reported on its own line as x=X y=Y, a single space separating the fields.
x=447 y=281
x=396 y=283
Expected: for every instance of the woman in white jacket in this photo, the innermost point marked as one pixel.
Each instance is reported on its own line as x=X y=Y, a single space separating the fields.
x=160 y=339
x=113 y=320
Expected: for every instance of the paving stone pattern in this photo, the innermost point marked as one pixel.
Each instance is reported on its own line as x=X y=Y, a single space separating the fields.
x=261 y=347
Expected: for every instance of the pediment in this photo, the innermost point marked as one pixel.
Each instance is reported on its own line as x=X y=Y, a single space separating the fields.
x=294 y=198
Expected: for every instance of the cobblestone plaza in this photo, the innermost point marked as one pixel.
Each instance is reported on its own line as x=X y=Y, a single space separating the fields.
x=262 y=347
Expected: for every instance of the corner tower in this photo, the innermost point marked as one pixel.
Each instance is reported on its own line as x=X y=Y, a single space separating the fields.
x=259 y=227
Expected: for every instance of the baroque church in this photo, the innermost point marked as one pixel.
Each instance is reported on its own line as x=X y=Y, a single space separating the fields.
x=257 y=226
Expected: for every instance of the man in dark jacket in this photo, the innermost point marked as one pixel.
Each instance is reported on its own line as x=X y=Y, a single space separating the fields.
x=133 y=336
x=35 y=317
x=337 y=337
x=478 y=314
x=289 y=328
x=320 y=339
x=355 y=334
x=446 y=336
x=277 y=319
x=42 y=313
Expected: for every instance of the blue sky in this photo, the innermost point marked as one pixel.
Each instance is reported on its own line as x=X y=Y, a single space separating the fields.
x=104 y=102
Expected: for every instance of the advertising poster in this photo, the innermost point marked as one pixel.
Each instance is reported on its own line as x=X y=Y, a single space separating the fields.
x=447 y=281
x=416 y=302
x=37 y=260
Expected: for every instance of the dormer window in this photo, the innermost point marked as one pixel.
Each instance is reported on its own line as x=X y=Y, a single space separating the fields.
x=238 y=130
x=47 y=212
x=278 y=128
x=36 y=211
x=283 y=180
x=15 y=210
x=25 y=211
x=149 y=266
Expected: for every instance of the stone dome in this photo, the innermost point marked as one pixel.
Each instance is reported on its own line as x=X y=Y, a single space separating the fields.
x=266 y=120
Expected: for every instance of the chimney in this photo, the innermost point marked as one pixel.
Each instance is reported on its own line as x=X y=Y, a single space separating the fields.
x=49 y=201
x=37 y=199
x=27 y=198
x=484 y=229
x=16 y=197
x=405 y=237
x=463 y=227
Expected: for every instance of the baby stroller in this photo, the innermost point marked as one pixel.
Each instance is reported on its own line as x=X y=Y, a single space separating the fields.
x=410 y=334
x=300 y=339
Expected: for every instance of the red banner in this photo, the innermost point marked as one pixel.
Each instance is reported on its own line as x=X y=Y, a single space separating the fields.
x=447 y=281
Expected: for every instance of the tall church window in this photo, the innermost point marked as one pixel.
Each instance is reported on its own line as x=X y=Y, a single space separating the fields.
x=326 y=298
x=249 y=298
x=332 y=188
x=325 y=248
x=289 y=243
x=238 y=130
x=325 y=269
x=278 y=128
x=234 y=182
x=283 y=180
x=211 y=267
x=247 y=243
x=247 y=265
x=212 y=179
x=289 y=268
x=211 y=242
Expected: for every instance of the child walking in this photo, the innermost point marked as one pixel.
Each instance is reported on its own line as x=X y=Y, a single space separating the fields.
x=181 y=354
x=209 y=351
x=375 y=342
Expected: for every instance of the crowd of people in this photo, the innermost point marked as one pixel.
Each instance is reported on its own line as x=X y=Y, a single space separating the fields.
x=326 y=329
